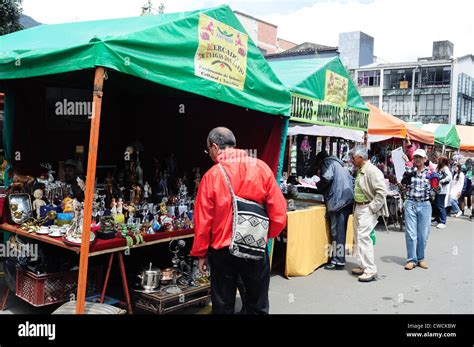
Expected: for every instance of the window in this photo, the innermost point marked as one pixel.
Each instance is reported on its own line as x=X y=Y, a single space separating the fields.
x=438 y=104
x=398 y=79
x=446 y=104
x=428 y=76
x=435 y=76
x=447 y=75
x=430 y=101
x=422 y=105
x=368 y=78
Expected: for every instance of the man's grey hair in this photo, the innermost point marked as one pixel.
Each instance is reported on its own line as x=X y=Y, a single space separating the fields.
x=360 y=151
x=222 y=137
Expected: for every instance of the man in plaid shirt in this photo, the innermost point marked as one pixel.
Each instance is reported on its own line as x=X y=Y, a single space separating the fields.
x=417 y=210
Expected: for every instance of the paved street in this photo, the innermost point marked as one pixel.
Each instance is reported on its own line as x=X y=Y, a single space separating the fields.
x=446 y=287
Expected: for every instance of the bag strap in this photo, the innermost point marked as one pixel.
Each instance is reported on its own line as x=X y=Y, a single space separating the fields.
x=226 y=177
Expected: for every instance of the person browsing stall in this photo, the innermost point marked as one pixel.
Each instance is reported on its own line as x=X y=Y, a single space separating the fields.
x=250 y=179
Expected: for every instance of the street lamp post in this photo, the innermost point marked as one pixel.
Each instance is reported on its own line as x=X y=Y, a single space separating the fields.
x=412 y=106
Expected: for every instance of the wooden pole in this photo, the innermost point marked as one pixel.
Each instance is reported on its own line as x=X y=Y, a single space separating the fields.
x=89 y=194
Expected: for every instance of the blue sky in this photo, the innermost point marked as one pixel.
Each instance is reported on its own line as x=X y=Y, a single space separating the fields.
x=403 y=29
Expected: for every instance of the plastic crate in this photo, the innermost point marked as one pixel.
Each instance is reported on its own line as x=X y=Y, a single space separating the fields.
x=52 y=288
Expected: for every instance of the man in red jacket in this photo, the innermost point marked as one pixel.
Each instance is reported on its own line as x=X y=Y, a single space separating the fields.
x=251 y=179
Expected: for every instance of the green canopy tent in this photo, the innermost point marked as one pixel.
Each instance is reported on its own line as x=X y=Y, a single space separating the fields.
x=203 y=52
x=162 y=49
x=323 y=98
x=322 y=93
x=445 y=134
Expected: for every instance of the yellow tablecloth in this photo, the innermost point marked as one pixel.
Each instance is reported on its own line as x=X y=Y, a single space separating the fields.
x=308 y=236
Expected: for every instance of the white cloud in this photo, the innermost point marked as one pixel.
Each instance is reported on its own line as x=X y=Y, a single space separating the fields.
x=403 y=29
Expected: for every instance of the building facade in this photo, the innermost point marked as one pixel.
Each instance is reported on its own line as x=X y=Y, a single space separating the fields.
x=264 y=34
x=436 y=89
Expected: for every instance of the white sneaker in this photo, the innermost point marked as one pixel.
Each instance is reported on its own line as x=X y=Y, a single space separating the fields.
x=441 y=226
x=433 y=224
x=457 y=215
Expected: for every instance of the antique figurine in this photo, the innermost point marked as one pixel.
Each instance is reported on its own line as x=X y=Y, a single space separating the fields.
x=113 y=207
x=120 y=206
x=146 y=191
x=38 y=202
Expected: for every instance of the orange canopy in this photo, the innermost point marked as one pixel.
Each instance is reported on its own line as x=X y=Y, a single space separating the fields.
x=466 y=134
x=383 y=123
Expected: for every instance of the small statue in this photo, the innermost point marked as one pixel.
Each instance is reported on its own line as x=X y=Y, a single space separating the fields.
x=120 y=206
x=48 y=167
x=131 y=209
x=163 y=208
x=38 y=202
x=146 y=191
x=113 y=207
x=109 y=183
x=182 y=190
x=81 y=183
x=68 y=204
x=137 y=194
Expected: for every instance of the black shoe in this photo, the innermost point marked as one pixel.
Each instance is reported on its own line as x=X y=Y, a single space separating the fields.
x=332 y=266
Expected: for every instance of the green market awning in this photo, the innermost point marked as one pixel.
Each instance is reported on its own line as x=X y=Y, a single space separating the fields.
x=445 y=134
x=206 y=52
x=322 y=93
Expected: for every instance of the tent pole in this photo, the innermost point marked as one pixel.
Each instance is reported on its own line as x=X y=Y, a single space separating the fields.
x=89 y=193
x=289 y=155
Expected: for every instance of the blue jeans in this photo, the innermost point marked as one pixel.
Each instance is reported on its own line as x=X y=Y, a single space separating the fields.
x=417 y=224
x=338 y=234
x=441 y=210
x=454 y=205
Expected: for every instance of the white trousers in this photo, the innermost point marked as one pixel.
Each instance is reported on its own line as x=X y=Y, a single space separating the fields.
x=364 y=221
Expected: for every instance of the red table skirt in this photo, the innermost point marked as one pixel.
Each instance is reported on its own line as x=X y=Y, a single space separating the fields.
x=100 y=245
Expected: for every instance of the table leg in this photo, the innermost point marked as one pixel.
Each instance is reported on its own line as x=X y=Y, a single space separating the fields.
x=124 y=283
x=6 y=293
x=106 y=281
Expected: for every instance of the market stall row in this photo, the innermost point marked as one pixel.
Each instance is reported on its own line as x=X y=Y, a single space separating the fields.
x=156 y=99
x=327 y=113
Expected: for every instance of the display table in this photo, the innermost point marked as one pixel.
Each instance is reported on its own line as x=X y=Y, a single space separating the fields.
x=308 y=236
x=113 y=246
x=103 y=246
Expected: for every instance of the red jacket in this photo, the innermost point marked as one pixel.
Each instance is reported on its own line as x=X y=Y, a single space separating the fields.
x=251 y=179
